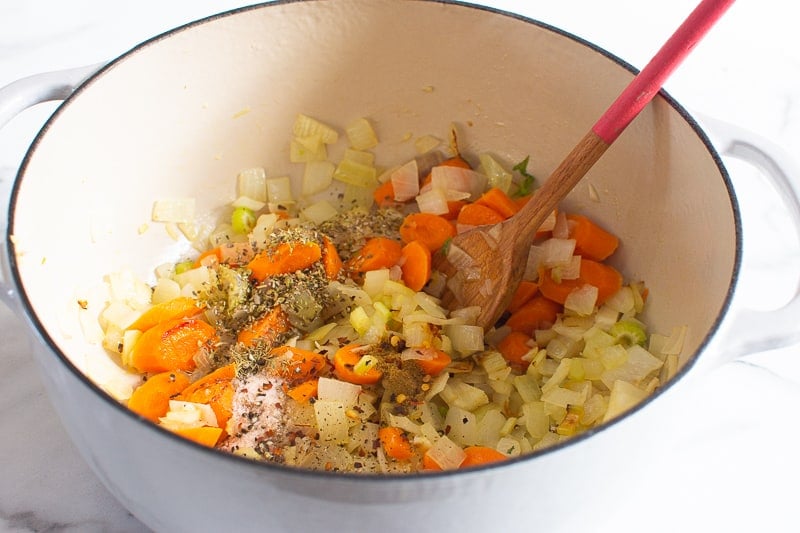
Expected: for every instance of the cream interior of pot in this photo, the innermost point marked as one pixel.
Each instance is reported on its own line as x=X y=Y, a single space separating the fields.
x=181 y=115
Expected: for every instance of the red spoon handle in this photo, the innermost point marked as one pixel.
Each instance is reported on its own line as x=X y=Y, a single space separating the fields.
x=649 y=81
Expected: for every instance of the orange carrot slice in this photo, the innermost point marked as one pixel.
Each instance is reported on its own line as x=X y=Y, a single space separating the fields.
x=416 y=265
x=478 y=215
x=606 y=278
x=172 y=345
x=395 y=443
x=205 y=435
x=151 y=398
x=538 y=313
x=591 y=241
x=216 y=390
x=377 y=253
x=344 y=363
x=181 y=307
x=266 y=329
x=432 y=230
x=284 y=259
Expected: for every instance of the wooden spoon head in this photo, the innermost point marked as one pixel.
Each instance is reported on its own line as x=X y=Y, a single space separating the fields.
x=483 y=268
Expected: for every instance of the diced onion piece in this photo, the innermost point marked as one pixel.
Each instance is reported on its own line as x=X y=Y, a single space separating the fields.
x=177 y=210
x=426 y=143
x=637 y=366
x=459 y=179
x=374 y=281
x=337 y=390
x=623 y=396
x=582 y=300
x=361 y=134
x=561 y=227
x=622 y=301
x=331 y=416
x=463 y=426
x=317 y=176
x=252 y=183
x=279 y=191
x=165 y=290
x=537 y=422
x=305 y=126
x=304 y=150
x=433 y=201
x=248 y=203
x=496 y=175
x=466 y=339
x=188 y=414
x=319 y=212
x=263 y=228
x=572 y=269
x=355 y=173
x=446 y=453
x=557 y=252
x=405 y=181
x=463 y=395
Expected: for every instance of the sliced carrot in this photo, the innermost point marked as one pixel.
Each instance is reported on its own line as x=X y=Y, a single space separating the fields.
x=481 y=455
x=514 y=346
x=151 y=398
x=432 y=230
x=499 y=201
x=416 y=265
x=344 y=363
x=213 y=255
x=538 y=313
x=285 y=258
x=205 y=435
x=295 y=364
x=591 y=241
x=453 y=208
x=478 y=215
x=304 y=391
x=216 y=390
x=433 y=361
x=172 y=345
x=384 y=194
x=377 y=253
x=330 y=259
x=395 y=443
x=266 y=329
x=606 y=278
x=525 y=291
x=180 y=307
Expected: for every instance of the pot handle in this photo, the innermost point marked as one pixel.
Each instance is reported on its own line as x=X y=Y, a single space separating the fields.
x=14 y=99
x=750 y=331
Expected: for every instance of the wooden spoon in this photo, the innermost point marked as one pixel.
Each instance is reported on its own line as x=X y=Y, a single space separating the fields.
x=484 y=265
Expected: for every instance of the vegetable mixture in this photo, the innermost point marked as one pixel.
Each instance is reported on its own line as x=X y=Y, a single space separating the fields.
x=309 y=332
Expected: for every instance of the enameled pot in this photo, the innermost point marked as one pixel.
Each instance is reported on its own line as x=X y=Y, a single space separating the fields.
x=181 y=114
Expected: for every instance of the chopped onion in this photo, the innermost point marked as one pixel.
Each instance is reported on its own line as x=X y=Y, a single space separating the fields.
x=337 y=390
x=433 y=201
x=561 y=227
x=355 y=173
x=466 y=339
x=557 y=251
x=247 y=202
x=306 y=149
x=459 y=179
x=405 y=181
x=496 y=175
x=317 y=176
x=319 y=212
x=252 y=183
x=361 y=134
x=305 y=126
x=446 y=453
x=279 y=191
x=582 y=300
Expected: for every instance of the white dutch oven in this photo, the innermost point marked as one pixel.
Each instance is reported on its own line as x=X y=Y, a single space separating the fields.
x=181 y=114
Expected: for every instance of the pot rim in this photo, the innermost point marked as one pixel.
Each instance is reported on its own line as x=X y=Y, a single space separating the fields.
x=268 y=467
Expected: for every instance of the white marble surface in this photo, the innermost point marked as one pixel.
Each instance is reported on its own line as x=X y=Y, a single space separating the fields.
x=732 y=466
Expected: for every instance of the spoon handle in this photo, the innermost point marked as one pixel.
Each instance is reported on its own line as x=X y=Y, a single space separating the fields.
x=649 y=81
